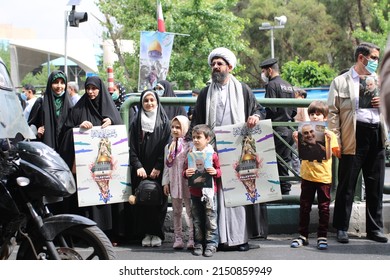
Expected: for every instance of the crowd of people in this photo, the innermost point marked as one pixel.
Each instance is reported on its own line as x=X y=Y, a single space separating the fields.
x=162 y=136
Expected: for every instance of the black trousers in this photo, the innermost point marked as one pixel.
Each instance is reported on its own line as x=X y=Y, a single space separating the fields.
x=285 y=153
x=370 y=158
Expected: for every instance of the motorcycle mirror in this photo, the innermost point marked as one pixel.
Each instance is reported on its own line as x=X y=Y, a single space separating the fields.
x=22 y=181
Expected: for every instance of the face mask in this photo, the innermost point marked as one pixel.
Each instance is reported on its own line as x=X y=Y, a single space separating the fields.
x=115 y=96
x=23 y=96
x=160 y=92
x=264 y=78
x=372 y=65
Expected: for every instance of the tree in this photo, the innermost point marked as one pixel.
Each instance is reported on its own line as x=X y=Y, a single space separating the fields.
x=210 y=24
x=309 y=33
x=39 y=80
x=378 y=29
x=307 y=73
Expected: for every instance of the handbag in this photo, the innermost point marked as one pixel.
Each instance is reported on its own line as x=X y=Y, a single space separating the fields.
x=149 y=192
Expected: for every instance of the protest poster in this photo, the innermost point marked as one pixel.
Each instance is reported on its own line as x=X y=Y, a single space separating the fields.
x=155 y=55
x=248 y=163
x=102 y=165
x=312 y=141
x=200 y=161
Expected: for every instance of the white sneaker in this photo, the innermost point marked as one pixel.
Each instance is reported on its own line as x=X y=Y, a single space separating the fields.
x=156 y=241
x=146 y=242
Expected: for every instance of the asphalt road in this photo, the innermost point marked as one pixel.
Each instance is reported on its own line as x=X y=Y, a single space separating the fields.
x=275 y=247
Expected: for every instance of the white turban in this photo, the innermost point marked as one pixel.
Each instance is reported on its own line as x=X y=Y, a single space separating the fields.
x=224 y=53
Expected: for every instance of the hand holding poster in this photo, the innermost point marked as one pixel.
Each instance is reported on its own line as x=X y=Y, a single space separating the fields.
x=248 y=163
x=200 y=161
x=312 y=141
x=102 y=168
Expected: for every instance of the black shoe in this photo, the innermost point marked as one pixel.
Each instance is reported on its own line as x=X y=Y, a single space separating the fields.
x=342 y=236
x=243 y=247
x=377 y=236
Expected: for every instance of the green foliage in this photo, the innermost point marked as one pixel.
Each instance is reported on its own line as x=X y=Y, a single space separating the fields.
x=39 y=80
x=317 y=41
x=379 y=29
x=307 y=73
x=5 y=56
x=209 y=24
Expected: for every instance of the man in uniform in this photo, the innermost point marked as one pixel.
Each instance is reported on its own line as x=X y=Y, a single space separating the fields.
x=276 y=87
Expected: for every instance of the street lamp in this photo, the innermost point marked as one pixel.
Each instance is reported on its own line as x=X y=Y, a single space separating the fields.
x=267 y=26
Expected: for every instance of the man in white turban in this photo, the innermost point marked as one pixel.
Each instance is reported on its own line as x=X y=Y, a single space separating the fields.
x=224 y=53
x=227 y=101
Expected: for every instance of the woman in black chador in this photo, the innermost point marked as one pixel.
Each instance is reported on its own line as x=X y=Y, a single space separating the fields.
x=164 y=89
x=149 y=134
x=95 y=108
x=50 y=113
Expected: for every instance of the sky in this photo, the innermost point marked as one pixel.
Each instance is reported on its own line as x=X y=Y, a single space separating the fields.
x=47 y=18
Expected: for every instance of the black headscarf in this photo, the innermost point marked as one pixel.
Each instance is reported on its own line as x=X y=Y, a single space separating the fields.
x=121 y=97
x=54 y=111
x=94 y=110
x=171 y=111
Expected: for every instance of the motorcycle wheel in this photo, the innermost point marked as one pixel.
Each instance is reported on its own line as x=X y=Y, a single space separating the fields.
x=76 y=243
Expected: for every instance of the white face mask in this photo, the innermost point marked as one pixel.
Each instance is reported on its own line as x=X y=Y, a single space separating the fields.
x=160 y=92
x=264 y=78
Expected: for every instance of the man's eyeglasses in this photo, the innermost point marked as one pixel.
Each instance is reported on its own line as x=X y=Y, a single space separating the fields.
x=219 y=63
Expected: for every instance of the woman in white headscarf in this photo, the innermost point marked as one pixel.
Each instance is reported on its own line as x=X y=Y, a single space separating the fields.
x=149 y=134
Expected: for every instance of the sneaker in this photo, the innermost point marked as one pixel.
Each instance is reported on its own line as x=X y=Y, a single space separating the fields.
x=198 y=250
x=322 y=243
x=209 y=252
x=299 y=242
x=178 y=244
x=146 y=242
x=156 y=241
x=190 y=244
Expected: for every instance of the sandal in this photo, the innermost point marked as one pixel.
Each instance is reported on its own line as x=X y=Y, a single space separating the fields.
x=322 y=243
x=299 y=242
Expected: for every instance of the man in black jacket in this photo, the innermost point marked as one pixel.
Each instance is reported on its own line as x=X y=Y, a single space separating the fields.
x=276 y=87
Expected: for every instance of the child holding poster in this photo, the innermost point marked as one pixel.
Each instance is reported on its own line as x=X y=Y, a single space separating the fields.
x=316 y=177
x=204 y=199
x=173 y=182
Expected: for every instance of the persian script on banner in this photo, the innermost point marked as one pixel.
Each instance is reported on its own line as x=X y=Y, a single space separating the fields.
x=102 y=165
x=155 y=55
x=248 y=163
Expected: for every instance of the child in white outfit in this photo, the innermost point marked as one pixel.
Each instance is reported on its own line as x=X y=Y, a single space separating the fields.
x=173 y=182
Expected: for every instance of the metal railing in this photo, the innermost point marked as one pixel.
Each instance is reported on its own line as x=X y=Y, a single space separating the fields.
x=265 y=102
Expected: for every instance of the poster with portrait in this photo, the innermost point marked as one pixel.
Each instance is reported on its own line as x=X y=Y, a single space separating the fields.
x=248 y=163
x=368 y=88
x=102 y=165
x=155 y=55
x=312 y=143
x=200 y=161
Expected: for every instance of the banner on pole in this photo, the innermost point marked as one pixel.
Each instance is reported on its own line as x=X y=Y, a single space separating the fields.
x=155 y=55
x=248 y=163
x=102 y=165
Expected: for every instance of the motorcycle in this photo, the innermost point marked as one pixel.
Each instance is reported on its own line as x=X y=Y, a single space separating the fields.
x=33 y=175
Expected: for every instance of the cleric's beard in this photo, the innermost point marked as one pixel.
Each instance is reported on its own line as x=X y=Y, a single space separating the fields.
x=219 y=77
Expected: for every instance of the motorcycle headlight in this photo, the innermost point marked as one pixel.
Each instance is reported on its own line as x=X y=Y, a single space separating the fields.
x=66 y=179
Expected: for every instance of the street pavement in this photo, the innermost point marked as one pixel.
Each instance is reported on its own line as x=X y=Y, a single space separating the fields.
x=275 y=247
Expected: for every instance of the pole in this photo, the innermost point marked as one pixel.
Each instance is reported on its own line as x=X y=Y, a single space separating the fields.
x=272 y=43
x=66 y=45
x=110 y=72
